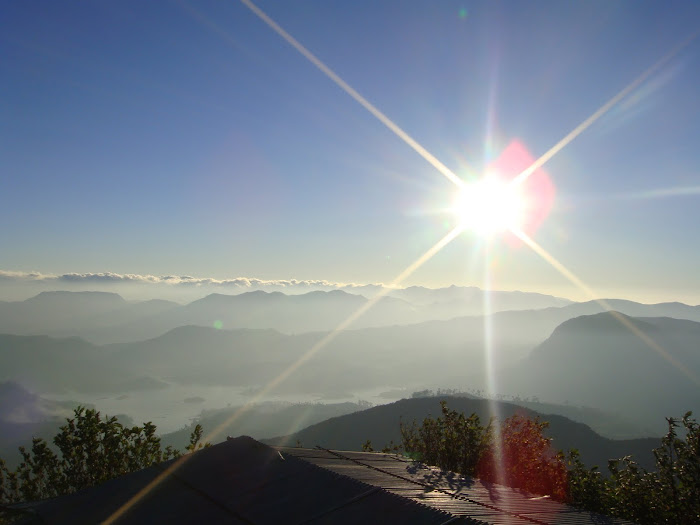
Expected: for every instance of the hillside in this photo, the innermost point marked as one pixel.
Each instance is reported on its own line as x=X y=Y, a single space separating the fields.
x=52 y=364
x=597 y=361
x=357 y=359
x=262 y=420
x=381 y=425
x=24 y=415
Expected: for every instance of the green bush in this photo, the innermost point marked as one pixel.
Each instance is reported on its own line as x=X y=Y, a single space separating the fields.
x=91 y=450
x=669 y=494
x=516 y=453
x=453 y=442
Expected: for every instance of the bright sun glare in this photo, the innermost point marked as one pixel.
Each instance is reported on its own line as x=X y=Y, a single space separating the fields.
x=490 y=206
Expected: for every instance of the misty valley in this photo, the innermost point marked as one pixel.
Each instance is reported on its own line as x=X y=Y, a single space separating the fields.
x=606 y=381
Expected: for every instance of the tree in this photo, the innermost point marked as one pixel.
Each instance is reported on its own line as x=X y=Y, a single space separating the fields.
x=518 y=454
x=678 y=465
x=453 y=442
x=587 y=487
x=669 y=494
x=91 y=451
x=521 y=456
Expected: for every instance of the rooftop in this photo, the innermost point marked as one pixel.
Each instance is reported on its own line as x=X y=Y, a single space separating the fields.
x=244 y=481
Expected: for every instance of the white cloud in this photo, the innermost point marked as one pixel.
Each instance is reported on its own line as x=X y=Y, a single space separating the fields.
x=6 y=275
x=242 y=283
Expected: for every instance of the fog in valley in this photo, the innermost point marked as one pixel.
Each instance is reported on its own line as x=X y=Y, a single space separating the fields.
x=176 y=364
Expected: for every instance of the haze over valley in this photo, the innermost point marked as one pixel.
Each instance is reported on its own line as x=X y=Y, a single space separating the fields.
x=609 y=370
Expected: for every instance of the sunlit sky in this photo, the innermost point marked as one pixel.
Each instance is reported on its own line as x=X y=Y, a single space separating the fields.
x=188 y=138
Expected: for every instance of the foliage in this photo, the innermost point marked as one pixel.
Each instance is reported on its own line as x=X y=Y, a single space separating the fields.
x=391 y=448
x=587 y=487
x=670 y=494
x=453 y=442
x=91 y=451
x=521 y=456
x=518 y=454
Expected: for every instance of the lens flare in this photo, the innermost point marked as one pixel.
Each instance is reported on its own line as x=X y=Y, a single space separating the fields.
x=494 y=205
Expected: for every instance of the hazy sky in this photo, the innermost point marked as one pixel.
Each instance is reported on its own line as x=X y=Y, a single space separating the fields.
x=188 y=138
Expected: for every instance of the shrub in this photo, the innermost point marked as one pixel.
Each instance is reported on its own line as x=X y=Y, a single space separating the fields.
x=453 y=442
x=521 y=456
x=91 y=451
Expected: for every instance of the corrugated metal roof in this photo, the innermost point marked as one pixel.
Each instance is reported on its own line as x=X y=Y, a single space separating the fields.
x=242 y=481
x=238 y=481
x=447 y=491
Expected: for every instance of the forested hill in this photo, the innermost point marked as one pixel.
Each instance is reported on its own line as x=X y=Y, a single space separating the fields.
x=380 y=425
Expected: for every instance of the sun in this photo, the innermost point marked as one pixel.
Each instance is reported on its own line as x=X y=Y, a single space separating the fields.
x=490 y=206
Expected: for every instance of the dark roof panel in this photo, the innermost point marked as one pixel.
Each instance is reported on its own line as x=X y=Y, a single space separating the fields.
x=447 y=491
x=237 y=481
x=241 y=481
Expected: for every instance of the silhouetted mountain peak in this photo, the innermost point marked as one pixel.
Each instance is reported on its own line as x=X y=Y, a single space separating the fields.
x=608 y=322
x=262 y=294
x=335 y=295
x=158 y=302
x=207 y=332
x=245 y=296
x=64 y=297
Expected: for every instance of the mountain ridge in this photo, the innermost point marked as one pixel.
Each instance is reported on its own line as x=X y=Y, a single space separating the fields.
x=122 y=321
x=380 y=425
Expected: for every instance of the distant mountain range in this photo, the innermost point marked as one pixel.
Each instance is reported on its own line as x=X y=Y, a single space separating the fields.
x=380 y=425
x=75 y=314
x=620 y=372
x=644 y=368
x=103 y=317
x=590 y=360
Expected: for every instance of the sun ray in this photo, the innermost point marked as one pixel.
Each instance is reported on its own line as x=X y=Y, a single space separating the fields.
x=355 y=95
x=490 y=367
x=602 y=110
x=676 y=191
x=338 y=329
x=289 y=371
x=539 y=250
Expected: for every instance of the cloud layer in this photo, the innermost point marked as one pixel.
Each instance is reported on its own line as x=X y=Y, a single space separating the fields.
x=242 y=283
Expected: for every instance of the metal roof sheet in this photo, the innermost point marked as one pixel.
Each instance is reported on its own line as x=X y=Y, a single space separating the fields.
x=243 y=481
x=238 y=481
x=447 y=491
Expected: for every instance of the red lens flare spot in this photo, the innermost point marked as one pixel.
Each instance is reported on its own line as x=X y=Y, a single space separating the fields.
x=537 y=190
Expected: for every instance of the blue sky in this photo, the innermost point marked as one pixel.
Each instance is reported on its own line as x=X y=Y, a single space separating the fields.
x=188 y=138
